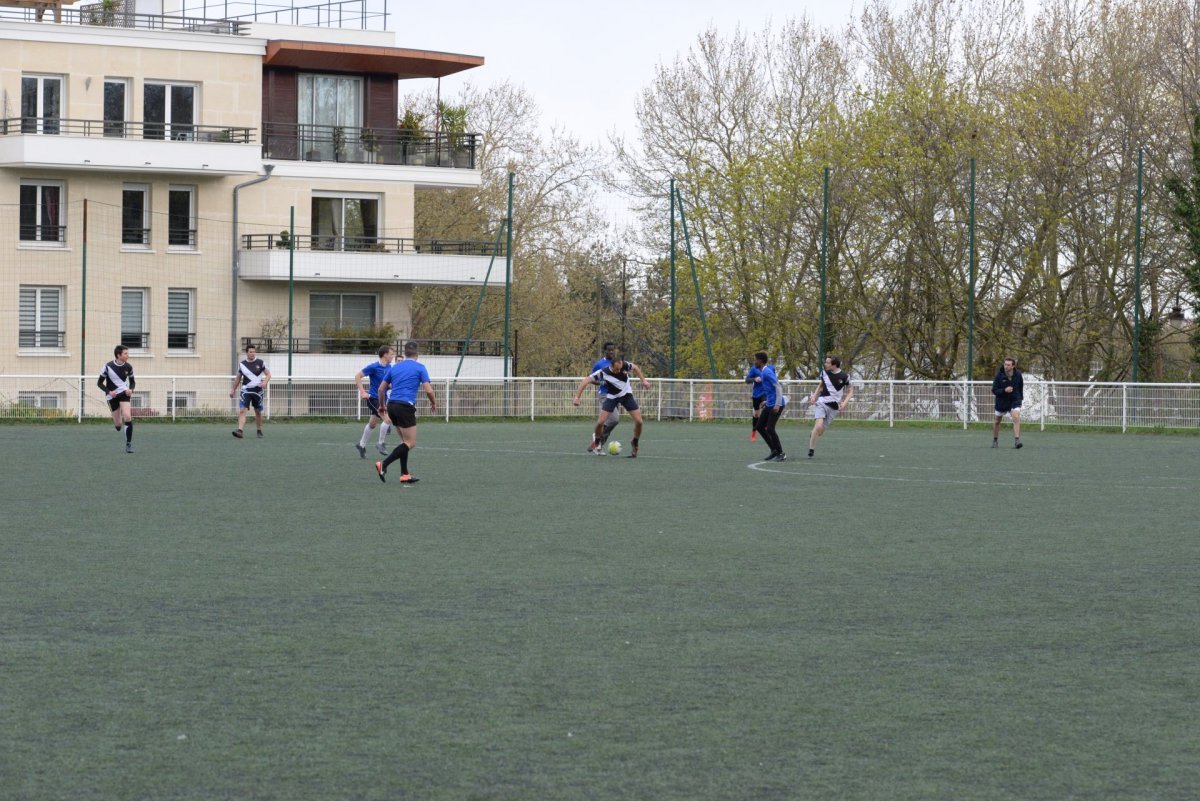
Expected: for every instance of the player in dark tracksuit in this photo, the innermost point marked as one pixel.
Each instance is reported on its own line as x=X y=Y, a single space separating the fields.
x=117 y=382
x=1009 y=388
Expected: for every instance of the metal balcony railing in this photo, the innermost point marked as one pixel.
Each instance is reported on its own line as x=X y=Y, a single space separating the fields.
x=372 y=244
x=42 y=233
x=137 y=340
x=41 y=339
x=180 y=340
x=368 y=346
x=303 y=142
x=181 y=237
x=135 y=236
x=121 y=129
x=99 y=16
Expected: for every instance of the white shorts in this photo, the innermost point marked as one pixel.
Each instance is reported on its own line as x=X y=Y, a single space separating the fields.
x=822 y=411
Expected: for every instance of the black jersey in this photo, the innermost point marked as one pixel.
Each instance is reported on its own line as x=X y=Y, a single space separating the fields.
x=614 y=383
x=832 y=385
x=116 y=377
x=251 y=372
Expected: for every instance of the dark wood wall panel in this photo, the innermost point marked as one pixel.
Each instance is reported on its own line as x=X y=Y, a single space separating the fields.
x=380 y=94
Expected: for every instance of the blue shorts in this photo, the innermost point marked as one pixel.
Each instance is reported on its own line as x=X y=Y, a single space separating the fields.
x=251 y=398
x=627 y=401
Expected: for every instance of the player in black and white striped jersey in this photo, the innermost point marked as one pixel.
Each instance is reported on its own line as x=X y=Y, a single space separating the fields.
x=618 y=391
x=828 y=399
x=253 y=377
x=117 y=382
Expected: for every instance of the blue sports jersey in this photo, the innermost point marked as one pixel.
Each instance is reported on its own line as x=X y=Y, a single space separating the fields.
x=771 y=387
x=404 y=379
x=375 y=371
x=600 y=364
x=759 y=387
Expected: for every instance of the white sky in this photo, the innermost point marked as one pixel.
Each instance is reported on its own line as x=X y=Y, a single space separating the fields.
x=586 y=62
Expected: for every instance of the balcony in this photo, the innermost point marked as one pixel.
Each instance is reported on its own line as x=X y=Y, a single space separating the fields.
x=370 y=347
x=318 y=257
x=116 y=17
x=63 y=143
x=287 y=142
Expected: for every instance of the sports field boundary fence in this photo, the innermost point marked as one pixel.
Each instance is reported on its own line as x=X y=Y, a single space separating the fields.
x=1109 y=405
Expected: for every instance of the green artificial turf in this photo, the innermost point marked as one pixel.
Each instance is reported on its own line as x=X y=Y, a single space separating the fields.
x=910 y=615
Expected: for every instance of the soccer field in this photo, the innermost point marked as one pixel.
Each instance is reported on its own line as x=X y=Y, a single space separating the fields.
x=911 y=615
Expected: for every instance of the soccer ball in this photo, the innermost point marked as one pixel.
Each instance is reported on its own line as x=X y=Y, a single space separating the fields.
x=614 y=448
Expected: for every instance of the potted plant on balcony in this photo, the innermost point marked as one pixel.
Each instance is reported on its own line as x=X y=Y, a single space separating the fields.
x=370 y=144
x=409 y=132
x=339 y=143
x=454 y=128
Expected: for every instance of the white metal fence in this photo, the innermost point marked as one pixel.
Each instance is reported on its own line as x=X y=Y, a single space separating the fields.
x=1047 y=403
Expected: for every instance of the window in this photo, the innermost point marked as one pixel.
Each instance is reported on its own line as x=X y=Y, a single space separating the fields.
x=170 y=110
x=135 y=215
x=41 y=103
x=180 y=314
x=139 y=400
x=181 y=216
x=116 y=106
x=41 y=317
x=180 y=400
x=346 y=222
x=41 y=400
x=133 y=319
x=329 y=315
x=330 y=104
x=41 y=212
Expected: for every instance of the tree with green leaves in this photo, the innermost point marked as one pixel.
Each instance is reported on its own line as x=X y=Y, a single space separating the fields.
x=1186 y=193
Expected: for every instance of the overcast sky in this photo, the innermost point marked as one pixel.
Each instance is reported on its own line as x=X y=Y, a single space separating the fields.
x=586 y=62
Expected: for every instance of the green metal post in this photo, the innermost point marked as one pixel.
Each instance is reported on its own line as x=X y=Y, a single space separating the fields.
x=479 y=303
x=824 y=263
x=687 y=241
x=83 y=313
x=291 y=296
x=672 y=371
x=508 y=279
x=971 y=289
x=1137 y=274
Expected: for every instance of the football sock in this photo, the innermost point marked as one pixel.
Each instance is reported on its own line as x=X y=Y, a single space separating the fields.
x=129 y=431
x=384 y=428
x=403 y=451
x=362 y=442
x=391 y=457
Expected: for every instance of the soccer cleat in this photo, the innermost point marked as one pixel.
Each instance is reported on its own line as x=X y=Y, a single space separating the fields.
x=771 y=457
x=782 y=457
x=129 y=447
x=753 y=435
x=1018 y=444
x=237 y=432
x=593 y=447
x=408 y=479
x=633 y=452
x=810 y=453
x=381 y=472
x=381 y=448
x=259 y=434
x=362 y=451
x=995 y=444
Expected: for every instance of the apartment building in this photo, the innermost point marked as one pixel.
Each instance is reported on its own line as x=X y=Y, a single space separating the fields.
x=151 y=160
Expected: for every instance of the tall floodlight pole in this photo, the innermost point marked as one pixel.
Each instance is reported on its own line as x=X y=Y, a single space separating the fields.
x=971 y=281
x=824 y=264
x=671 y=374
x=508 y=277
x=1137 y=272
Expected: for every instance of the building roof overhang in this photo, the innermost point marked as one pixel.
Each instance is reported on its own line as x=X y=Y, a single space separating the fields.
x=398 y=61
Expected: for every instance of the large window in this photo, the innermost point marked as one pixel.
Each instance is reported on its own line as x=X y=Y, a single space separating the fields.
x=41 y=317
x=170 y=110
x=181 y=216
x=41 y=103
x=41 y=400
x=116 y=106
x=135 y=215
x=346 y=222
x=133 y=319
x=41 y=212
x=181 y=334
x=329 y=315
x=330 y=116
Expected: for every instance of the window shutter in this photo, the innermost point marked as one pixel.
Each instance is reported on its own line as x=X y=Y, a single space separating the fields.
x=131 y=311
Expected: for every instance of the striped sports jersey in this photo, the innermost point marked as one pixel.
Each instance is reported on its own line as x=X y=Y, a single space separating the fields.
x=833 y=386
x=116 y=377
x=614 y=384
x=252 y=373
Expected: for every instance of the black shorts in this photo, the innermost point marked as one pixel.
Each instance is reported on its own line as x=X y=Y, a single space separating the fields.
x=757 y=400
x=114 y=403
x=627 y=401
x=373 y=405
x=403 y=415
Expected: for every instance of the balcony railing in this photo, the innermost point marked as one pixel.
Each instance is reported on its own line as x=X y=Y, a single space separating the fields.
x=42 y=233
x=372 y=244
x=120 y=129
x=135 y=236
x=181 y=237
x=370 y=346
x=180 y=340
x=137 y=340
x=41 y=339
x=99 y=16
x=288 y=142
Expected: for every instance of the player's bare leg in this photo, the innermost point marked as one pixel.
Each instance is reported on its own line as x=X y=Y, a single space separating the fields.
x=1016 y=418
x=636 y=414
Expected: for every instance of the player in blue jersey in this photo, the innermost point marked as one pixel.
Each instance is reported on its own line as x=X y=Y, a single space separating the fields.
x=374 y=372
x=614 y=418
x=772 y=407
x=757 y=394
x=399 y=387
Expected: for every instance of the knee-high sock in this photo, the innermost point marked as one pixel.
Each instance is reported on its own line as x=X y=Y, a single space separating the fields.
x=384 y=428
x=400 y=453
x=362 y=442
x=129 y=431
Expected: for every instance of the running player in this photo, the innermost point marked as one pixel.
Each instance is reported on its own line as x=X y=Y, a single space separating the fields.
x=117 y=382
x=757 y=393
x=830 y=396
x=375 y=371
x=253 y=376
x=400 y=387
x=772 y=407
x=617 y=392
x=1009 y=388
